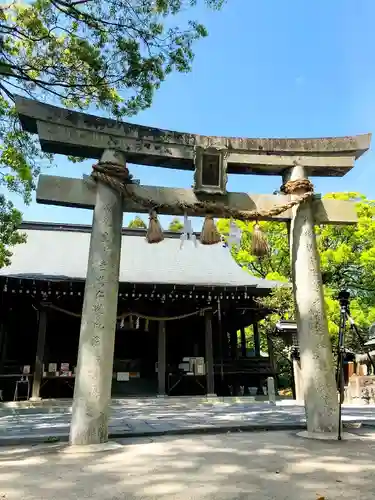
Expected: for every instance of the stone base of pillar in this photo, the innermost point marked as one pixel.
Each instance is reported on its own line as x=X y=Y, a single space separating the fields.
x=327 y=436
x=211 y=396
x=91 y=448
x=162 y=396
x=35 y=399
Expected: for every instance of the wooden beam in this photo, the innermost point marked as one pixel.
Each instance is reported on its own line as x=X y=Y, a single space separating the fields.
x=73 y=133
x=263 y=164
x=79 y=193
x=57 y=138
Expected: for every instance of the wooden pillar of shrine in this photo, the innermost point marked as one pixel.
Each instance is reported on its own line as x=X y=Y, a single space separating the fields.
x=39 y=358
x=93 y=383
x=315 y=346
x=243 y=342
x=271 y=354
x=233 y=343
x=3 y=346
x=162 y=358
x=210 y=375
x=3 y=333
x=256 y=339
x=351 y=369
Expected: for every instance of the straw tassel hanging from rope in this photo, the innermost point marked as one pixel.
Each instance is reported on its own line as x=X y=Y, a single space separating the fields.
x=209 y=235
x=259 y=244
x=154 y=232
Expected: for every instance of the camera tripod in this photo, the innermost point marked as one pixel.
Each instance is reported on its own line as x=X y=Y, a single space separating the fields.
x=343 y=298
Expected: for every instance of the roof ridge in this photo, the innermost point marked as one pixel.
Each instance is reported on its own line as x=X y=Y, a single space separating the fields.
x=86 y=228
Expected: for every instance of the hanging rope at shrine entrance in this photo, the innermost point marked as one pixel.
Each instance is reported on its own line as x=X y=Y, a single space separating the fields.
x=118 y=177
x=165 y=318
x=125 y=315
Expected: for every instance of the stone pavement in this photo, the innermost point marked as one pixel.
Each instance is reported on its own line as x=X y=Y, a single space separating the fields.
x=261 y=465
x=150 y=417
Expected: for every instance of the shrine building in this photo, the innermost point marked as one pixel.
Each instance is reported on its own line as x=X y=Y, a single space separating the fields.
x=182 y=314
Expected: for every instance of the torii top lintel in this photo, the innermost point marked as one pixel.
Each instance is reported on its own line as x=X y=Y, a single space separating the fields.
x=79 y=134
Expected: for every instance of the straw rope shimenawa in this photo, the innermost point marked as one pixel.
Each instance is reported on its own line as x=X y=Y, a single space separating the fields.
x=129 y=314
x=118 y=177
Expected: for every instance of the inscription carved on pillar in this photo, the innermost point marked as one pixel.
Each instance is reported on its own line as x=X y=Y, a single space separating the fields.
x=96 y=345
x=315 y=346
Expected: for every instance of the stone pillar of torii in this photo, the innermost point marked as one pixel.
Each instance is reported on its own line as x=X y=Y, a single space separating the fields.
x=72 y=133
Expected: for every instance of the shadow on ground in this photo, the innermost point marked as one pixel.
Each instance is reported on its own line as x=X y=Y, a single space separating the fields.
x=145 y=417
x=241 y=466
x=139 y=417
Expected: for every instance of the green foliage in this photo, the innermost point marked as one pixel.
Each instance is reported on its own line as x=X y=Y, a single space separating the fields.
x=20 y=160
x=249 y=335
x=10 y=219
x=110 y=54
x=276 y=265
x=347 y=254
x=137 y=223
x=175 y=225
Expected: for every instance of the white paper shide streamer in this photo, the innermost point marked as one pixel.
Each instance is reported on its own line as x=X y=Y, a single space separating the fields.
x=235 y=235
x=187 y=232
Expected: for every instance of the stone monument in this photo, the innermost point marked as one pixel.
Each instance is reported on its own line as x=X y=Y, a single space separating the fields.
x=271 y=390
x=111 y=192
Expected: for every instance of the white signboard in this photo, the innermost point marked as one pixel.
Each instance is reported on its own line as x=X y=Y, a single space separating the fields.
x=122 y=376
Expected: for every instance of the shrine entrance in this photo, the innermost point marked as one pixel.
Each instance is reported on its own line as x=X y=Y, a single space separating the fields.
x=110 y=190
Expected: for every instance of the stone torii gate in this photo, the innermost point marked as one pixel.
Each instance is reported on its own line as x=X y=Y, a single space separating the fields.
x=73 y=133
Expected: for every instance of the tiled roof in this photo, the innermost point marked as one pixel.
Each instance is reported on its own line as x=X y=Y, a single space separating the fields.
x=60 y=252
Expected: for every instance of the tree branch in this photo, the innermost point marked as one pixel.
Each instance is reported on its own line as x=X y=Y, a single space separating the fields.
x=6 y=91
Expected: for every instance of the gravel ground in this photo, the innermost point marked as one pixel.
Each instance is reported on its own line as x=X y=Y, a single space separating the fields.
x=265 y=465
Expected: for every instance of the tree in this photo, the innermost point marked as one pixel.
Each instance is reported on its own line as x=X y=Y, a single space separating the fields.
x=10 y=219
x=112 y=54
x=137 y=223
x=347 y=255
x=175 y=225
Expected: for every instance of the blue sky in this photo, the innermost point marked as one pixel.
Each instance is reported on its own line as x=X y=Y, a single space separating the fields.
x=269 y=68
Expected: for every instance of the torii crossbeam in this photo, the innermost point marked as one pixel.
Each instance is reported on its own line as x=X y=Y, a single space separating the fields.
x=73 y=133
